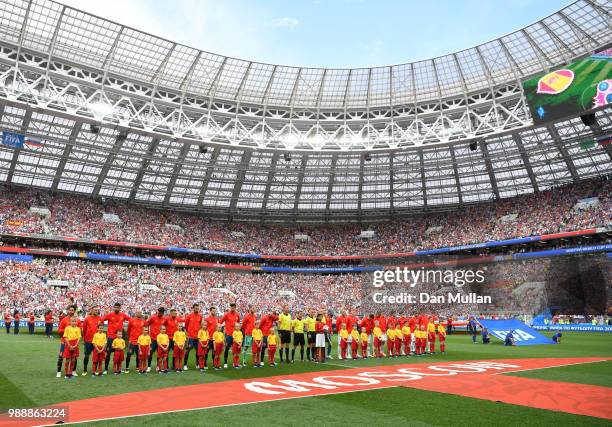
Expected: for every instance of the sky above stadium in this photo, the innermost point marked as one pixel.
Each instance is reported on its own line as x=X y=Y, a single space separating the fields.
x=325 y=33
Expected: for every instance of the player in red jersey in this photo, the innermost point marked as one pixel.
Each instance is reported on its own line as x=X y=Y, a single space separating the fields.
x=7 y=321
x=90 y=327
x=48 y=323
x=229 y=321
x=154 y=323
x=265 y=325
x=171 y=323
x=211 y=325
x=192 y=325
x=135 y=327
x=115 y=320
x=31 y=320
x=16 y=320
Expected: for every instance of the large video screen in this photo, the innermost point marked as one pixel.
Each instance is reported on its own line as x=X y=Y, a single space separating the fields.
x=571 y=89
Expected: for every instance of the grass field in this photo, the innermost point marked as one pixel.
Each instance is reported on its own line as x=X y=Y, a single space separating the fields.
x=27 y=379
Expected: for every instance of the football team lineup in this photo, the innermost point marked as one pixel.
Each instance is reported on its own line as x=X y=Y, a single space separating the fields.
x=386 y=355
x=357 y=213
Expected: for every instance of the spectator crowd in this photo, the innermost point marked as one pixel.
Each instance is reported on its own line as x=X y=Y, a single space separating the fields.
x=548 y=211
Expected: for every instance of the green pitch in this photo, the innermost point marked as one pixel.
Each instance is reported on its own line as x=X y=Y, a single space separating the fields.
x=27 y=379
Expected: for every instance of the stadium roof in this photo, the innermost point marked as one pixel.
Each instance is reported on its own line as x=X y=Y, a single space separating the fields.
x=183 y=128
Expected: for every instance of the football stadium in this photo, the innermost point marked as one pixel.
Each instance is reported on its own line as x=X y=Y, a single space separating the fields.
x=188 y=238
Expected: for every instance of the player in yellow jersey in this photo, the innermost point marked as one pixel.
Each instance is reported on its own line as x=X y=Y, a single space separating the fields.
x=163 y=344
x=203 y=338
x=99 y=350
x=178 y=352
x=272 y=343
x=364 y=342
x=399 y=337
x=218 y=342
x=343 y=335
x=118 y=347
x=391 y=341
x=431 y=336
x=144 y=348
x=237 y=339
x=406 y=338
x=378 y=333
x=442 y=337
x=257 y=335
x=72 y=336
x=355 y=342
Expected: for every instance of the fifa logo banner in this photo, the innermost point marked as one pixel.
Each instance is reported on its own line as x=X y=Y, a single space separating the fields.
x=522 y=334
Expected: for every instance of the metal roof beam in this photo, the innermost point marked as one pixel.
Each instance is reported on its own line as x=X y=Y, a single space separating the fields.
x=556 y=138
x=330 y=184
x=25 y=124
x=175 y=173
x=423 y=186
x=76 y=129
x=301 y=174
x=391 y=181
x=451 y=149
x=273 y=164
x=578 y=29
x=539 y=52
x=143 y=169
x=244 y=165
x=209 y=172
x=521 y=149
x=360 y=190
x=487 y=159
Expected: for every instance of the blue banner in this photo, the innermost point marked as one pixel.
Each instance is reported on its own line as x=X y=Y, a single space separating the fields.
x=523 y=334
x=575 y=327
x=565 y=251
x=16 y=258
x=24 y=324
x=320 y=269
x=129 y=259
x=12 y=139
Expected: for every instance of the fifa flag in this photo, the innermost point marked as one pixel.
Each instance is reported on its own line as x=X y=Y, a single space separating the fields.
x=523 y=334
x=12 y=139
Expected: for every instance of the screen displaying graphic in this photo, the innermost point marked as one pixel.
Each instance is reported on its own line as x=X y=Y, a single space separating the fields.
x=574 y=88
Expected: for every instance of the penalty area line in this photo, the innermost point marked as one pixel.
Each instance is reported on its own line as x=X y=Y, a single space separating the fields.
x=218 y=406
